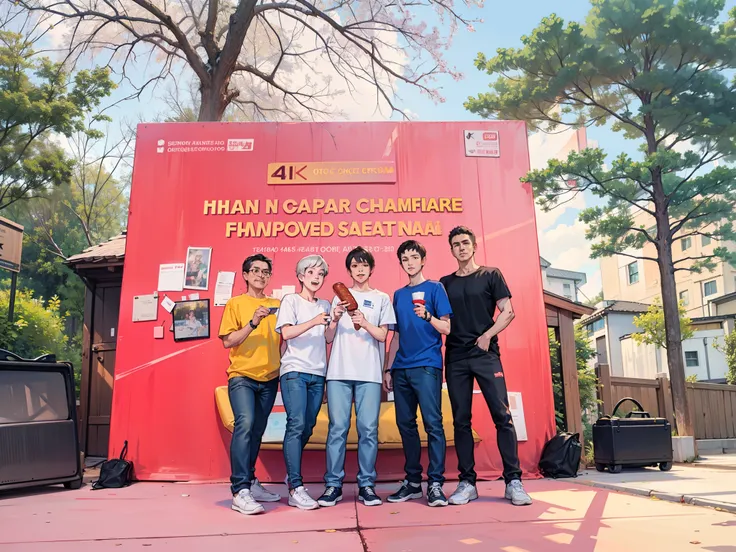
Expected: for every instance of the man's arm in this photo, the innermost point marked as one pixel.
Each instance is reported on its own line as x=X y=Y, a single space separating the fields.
x=505 y=317
x=442 y=325
x=237 y=337
x=393 y=348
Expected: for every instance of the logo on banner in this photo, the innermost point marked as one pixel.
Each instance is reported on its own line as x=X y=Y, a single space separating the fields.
x=160 y=146
x=240 y=144
x=333 y=172
x=482 y=143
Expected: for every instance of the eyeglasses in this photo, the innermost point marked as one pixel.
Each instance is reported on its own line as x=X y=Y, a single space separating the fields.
x=258 y=272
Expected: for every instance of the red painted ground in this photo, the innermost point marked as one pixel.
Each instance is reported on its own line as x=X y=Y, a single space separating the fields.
x=186 y=517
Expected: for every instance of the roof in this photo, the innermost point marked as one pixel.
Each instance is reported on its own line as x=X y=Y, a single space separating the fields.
x=724 y=298
x=566 y=275
x=111 y=250
x=617 y=307
x=544 y=262
x=554 y=300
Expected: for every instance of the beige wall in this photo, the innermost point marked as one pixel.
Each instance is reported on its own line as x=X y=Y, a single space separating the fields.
x=614 y=275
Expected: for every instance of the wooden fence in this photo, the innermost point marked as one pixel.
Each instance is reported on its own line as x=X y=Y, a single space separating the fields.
x=713 y=406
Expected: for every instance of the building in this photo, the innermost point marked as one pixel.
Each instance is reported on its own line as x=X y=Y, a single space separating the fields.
x=565 y=283
x=627 y=279
x=703 y=353
x=606 y=326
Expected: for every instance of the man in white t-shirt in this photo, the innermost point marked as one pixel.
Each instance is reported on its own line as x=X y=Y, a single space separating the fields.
x=302 y=320
x=355 y=371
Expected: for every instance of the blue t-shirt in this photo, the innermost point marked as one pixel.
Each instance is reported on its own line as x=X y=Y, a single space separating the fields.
x=420 y=345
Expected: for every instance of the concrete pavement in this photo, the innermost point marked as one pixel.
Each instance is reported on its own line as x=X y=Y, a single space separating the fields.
x=188 y=517
x=701 y=485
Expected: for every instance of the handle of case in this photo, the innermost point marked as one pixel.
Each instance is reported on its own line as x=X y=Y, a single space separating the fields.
x=619 y=403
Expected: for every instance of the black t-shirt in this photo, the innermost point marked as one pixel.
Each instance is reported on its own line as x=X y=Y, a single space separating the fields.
x=473 y=299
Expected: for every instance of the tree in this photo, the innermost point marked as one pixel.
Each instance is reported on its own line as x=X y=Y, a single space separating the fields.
x=651 y=324
x=729 y=350
x=37 y=98
x=587 y=381
x=593 y=301
x=656 y=70
x=247 y=51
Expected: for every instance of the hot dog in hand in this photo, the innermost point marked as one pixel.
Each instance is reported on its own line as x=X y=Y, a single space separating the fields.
x=343 y=293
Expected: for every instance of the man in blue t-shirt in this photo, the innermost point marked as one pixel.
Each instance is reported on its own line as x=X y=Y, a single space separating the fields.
x=414 y=372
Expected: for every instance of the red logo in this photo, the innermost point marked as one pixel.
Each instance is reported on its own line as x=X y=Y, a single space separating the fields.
x=491 y=136
x=498 y=374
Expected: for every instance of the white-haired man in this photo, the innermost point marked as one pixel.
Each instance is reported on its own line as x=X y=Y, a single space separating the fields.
x=303 y=321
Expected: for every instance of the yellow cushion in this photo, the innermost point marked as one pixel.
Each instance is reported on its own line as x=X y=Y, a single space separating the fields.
x=388 y=432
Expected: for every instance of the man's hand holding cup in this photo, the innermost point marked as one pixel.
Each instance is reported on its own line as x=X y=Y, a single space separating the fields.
x=420 y=308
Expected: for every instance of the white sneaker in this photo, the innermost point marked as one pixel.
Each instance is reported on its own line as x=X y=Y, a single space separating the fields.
x=516 y=494
x=464 y=493
x=261 y=494
x=244 y=503
x=300 y=498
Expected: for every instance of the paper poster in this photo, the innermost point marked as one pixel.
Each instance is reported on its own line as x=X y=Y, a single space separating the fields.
x=145 y=308
x=171 y=277
x=158 y=332
x=197 y=271
x=517 y=413
x=482 y=143
x=224 y=288
x=168 y=304
x=193 y=297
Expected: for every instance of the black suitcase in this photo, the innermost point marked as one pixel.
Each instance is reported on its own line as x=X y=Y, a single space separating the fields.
x=637 y=440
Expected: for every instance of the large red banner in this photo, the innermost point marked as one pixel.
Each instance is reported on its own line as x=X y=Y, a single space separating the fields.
x=288 y=190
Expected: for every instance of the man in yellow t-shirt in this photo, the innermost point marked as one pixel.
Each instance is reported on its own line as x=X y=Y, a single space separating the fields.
x=248 y=330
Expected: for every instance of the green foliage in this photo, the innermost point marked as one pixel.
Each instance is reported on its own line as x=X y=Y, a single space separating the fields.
x=692 y=378
x=656 y=71
x=39 y=97
x=729 y=350
x=651 y=324
x=587 y=381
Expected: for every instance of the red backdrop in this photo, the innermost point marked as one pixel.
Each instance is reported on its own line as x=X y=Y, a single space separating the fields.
x=163 y=401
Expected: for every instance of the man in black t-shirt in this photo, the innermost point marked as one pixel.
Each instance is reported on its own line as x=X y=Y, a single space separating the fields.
x=472 y=353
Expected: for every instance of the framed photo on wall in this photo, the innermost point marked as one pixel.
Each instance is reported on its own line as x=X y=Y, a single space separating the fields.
x=197 y=269
x=191 y=320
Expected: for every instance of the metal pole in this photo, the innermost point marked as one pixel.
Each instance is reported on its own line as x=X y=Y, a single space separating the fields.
x=11 y=303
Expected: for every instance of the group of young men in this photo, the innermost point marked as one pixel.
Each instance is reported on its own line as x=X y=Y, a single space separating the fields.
x=462 y=307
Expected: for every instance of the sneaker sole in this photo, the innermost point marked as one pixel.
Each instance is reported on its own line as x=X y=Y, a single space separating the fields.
x=520 y=503
x=462 y=503
x=414 y=496
x=247 y=513
x=327 y=504
x=303 y=507
x=370 y=502
x=438 y=503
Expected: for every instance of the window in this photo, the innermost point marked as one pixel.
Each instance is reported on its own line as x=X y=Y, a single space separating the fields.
x=705 y=240
x=633 y=270
x=567 y=291
x=710 y=288
x=686 y=243
x=685 y=297
x=596 y=326
x=691 y=359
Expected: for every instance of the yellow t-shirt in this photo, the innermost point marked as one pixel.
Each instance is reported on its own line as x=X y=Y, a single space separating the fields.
x=259 y=356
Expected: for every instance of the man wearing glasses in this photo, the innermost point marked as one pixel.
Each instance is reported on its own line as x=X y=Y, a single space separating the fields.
x=248 y=331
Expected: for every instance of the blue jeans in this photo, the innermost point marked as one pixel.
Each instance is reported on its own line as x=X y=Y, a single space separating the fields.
x=422 y=387
x=367 y=408
x=251 y=402
x=302 y=394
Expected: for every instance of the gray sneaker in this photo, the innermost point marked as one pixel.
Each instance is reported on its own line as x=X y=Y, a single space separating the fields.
x=464 y=493
x=300 y=498
x=244 y=503
x=516 y=494
x=261 y=494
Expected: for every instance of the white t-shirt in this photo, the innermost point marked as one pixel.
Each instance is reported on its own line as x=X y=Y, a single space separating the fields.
x=356 y=355
x=306 y=353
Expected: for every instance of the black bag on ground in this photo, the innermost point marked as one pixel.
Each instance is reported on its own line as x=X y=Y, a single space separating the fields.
x=561 y=456
x=115 y=473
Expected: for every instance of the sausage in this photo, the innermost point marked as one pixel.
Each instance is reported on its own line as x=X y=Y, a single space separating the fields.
x=343 y=293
